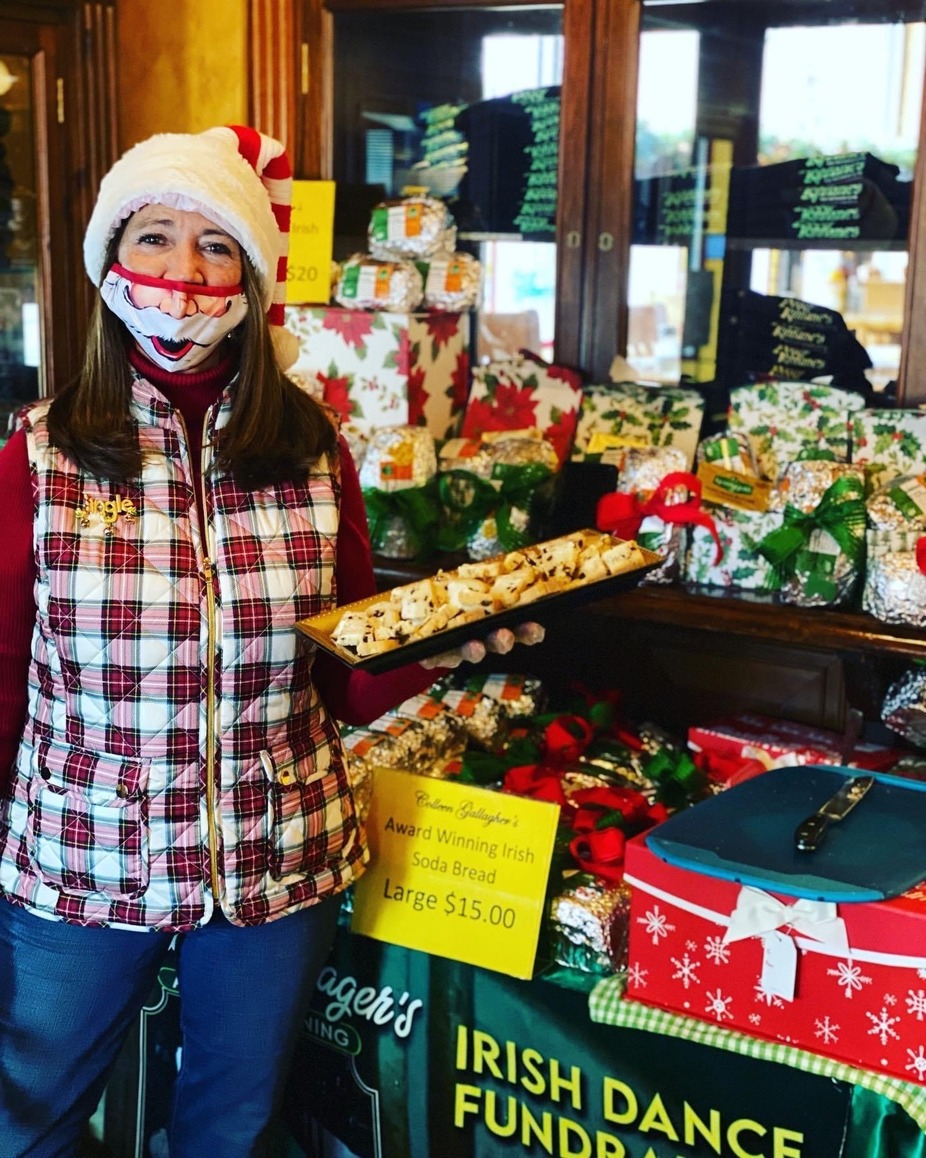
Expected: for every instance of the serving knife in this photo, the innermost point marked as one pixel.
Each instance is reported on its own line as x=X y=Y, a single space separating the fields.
x=810 y=833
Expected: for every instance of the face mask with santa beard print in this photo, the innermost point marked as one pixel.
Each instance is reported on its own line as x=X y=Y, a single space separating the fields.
x=176 y=324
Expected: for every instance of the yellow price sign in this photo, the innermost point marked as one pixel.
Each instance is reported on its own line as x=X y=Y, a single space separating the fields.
x=456 y=871
x=311 y=243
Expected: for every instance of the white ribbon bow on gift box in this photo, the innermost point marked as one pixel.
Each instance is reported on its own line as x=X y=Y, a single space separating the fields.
x=759 y=914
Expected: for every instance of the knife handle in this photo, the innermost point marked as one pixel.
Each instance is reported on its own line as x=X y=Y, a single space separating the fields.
x=809 y=834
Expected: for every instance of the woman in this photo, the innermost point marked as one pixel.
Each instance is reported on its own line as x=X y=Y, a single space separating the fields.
x=176 y=768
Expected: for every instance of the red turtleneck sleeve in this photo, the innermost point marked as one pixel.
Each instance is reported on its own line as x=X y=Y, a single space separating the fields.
x=356 y=697
x=17 y=597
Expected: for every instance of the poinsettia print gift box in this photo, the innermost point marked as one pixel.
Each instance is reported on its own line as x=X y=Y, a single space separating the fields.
x=524 y=392
x=859 y=986
x=385 y=369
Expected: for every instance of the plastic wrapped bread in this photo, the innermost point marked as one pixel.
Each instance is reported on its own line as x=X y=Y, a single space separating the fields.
x=411 y=227
x=805 y=483
x=365 y=283
x=452 y=282
x=397 y=458
x=490 y=458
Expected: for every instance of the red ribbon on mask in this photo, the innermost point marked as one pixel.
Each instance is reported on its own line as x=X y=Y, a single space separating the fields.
x=921 y=553
x=622 y=512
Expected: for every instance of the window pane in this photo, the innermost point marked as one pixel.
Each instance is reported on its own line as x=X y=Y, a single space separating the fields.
x=665 y=139
x=745 y=187
x=462 y=105
x=872 y=74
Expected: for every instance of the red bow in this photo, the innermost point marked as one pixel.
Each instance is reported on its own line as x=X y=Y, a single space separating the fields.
x=566 y=738
x=921 y=553
x=601 y=817
x=601 y=850
x=537 y=782
x=600 y=853
x=622 y=512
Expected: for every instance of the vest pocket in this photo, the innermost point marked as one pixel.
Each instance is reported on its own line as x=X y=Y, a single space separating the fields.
x=308 y=812
x=89 y=819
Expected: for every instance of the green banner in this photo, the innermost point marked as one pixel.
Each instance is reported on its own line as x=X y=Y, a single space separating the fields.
x=405 y=1055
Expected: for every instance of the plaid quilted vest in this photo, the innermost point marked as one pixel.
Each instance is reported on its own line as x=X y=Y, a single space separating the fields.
x=176 y=753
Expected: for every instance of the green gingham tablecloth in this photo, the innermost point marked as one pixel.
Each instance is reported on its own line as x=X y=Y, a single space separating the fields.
x=608 y=1006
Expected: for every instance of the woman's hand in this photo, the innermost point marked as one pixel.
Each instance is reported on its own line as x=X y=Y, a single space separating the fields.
x=498 y=642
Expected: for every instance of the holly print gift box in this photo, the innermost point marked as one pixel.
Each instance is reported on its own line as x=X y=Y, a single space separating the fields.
x=843 y=978
x=785 y=421
x=889 y=443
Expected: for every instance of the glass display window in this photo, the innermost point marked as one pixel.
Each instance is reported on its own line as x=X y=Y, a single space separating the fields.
x=779 y=170
x=463 y=107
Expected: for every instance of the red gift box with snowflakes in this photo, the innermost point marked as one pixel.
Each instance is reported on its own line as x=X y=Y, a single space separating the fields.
x=385 y=369
x=845 y=980
x=722 y=747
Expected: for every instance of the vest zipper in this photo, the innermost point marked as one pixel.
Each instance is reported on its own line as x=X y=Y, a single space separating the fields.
x=208 y=576
x=212 y=836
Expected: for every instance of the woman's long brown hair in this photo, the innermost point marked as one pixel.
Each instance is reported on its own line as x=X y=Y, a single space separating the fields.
x=275 y=432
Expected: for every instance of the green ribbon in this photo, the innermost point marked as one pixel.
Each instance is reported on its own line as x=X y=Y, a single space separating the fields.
x=481 y=767
x=841 y=512
x=676 y=776
x=468 y=499
x=418 y=509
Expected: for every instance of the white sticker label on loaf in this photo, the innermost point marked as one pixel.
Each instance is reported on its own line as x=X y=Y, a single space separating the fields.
x=366 y=282
x=395 y=222
x=436 y=283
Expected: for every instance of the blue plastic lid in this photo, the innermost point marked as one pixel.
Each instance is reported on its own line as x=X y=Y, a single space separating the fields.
x=746 y=834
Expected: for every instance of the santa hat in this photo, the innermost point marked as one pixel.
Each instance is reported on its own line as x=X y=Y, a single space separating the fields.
x=234 y=175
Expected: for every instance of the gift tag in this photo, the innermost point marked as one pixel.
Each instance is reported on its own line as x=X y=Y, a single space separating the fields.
x=779 y=965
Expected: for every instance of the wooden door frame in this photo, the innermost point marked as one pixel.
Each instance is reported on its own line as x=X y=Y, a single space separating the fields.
x=911 y=382
x=609 y=178
x=74 y=98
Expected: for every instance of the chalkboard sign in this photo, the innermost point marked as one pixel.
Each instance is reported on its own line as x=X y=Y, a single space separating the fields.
x=510 y=185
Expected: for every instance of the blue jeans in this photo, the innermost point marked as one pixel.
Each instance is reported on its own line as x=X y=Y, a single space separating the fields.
x=69 y=995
